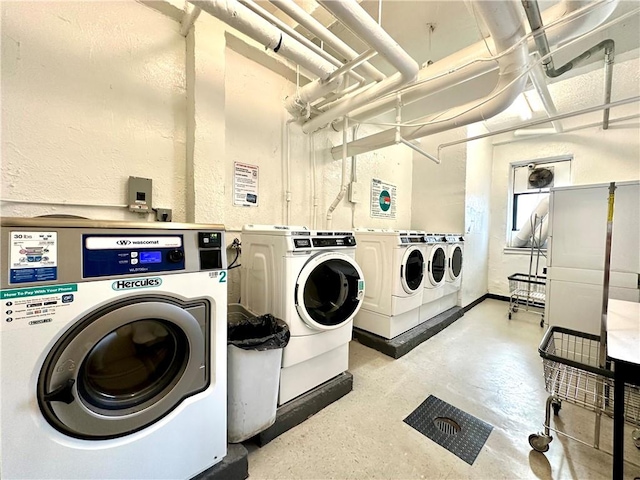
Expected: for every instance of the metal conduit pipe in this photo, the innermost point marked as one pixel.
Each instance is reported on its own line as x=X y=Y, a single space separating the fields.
x=319 y=30
x=244 y=20
x=534 y=123
x=354 y=17
x=503 y=21
x=463 y=65
x=535 y=22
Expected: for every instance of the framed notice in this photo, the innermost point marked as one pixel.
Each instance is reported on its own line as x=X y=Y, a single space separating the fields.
x=383 y=199
x=245 y=185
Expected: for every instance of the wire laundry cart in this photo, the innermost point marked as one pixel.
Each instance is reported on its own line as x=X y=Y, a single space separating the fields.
x=527 y=291
x=571 y=373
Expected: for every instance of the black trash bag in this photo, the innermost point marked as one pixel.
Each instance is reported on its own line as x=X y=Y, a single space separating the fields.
x=265 y=332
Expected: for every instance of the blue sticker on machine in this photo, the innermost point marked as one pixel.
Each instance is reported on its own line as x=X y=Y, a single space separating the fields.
x=30 y=275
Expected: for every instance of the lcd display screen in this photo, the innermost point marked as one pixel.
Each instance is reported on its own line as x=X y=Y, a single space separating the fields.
x=150 y=257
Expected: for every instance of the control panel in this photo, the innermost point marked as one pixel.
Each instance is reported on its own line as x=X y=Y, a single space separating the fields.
x=411 y=239
x=105 y=255
x=324 y=239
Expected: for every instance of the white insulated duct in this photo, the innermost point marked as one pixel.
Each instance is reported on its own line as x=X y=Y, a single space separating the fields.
x=533 y=224
x=354 y=17
x=446 y=72
x=504 y=21
x=319 y=30
x=251 y=24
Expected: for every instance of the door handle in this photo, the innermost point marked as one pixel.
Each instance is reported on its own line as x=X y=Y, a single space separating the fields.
x=64 y=393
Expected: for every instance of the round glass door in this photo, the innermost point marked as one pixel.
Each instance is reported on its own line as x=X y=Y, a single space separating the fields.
x=125 y=366
x=132 y=364
x=437 y=266
x=412 y=270
x=330 y=291
x=456 y=262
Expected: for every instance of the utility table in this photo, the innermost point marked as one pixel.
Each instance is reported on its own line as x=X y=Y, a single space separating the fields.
x=623 y=347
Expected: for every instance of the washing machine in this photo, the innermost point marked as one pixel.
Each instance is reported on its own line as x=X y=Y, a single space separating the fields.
x=394 y=266
x=309 y=279
x=436 y=255
x=455 y=249
x=112 y=349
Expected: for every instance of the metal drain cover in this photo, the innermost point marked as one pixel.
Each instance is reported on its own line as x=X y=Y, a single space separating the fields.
x=446 y=425
x=457 y=431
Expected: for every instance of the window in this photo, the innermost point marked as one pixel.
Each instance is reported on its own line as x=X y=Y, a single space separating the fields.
x=529 y=189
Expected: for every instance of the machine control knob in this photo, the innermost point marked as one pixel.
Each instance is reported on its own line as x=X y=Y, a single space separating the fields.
x=350 y=241
x=175 y=256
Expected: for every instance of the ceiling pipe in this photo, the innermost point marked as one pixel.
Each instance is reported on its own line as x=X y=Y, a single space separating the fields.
x=504 y=22
x=251 y=24
x=319 y=30
x=254 y=7
x=354 y=17
x=464 y=65
x=536 y=75
x=535 y=21
x=534 y=123
x=190 y=16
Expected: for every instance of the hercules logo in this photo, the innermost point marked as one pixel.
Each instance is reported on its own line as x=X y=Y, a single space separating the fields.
x=137 y=283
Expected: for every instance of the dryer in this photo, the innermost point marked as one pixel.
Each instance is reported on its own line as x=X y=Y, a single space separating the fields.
x=309 y=279
x=112 y=349
x=394 y=266
x=436 y=254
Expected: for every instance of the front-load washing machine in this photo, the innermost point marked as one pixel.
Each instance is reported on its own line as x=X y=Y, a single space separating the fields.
x=436 y=254
x=451 y=287
x=394 y=264
x=455 y=247
x=309 y=279
x=112 y=349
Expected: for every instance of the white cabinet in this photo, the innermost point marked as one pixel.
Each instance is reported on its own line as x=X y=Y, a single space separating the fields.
x=575 y=267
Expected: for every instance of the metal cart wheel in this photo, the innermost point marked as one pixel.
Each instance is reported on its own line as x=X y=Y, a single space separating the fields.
x=509 y=315
x=540 y=442
x=542 y=322
x=514 y=309
x=556 y=407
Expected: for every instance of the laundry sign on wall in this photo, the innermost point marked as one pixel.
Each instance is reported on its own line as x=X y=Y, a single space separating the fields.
x=245 y=185
x=383 y=199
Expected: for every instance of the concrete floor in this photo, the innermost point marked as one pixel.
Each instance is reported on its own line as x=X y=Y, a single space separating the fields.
x=483 y=364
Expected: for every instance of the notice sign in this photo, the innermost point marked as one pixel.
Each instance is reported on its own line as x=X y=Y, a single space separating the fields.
x=34 y=257
x=245 y=185
x=383 y=199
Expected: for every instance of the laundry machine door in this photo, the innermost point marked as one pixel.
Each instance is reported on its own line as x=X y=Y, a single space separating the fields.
x=436 y=266
x=412 y=270
x=329 y=291
x=125 y=366
x=454 y=264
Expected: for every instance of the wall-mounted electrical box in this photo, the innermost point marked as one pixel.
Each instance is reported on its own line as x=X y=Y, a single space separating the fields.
x=139 y=195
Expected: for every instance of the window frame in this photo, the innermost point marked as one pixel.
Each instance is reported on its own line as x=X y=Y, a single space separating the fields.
x=510 y=230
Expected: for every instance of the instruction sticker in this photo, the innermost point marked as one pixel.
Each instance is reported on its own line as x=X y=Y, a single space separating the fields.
x=245 y=185
x=33 y=257
x=24 y=307
x=383 y=199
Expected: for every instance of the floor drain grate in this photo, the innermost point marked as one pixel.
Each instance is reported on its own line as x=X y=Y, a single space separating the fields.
x=446 y=425
x=462 y=434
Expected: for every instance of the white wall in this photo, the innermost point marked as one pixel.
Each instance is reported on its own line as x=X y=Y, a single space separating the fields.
x=438 y=199
x=122 y=93
x=477 y=216
x=598 y=155
x=92 y=92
